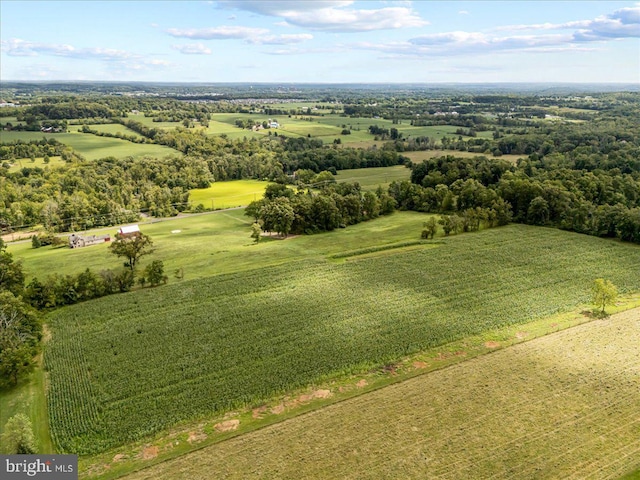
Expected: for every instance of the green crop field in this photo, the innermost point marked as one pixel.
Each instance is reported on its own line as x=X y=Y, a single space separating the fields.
x=561 y=406
x=93 y=147
x=371 y=178
x=228 y=194
x=130 y=365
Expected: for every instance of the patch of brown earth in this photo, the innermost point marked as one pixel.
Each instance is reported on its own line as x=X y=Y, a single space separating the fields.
x=227 y=426
x=521 y=335
x=460 y=353
x=419 y=365
x=119 y=457
x=278 y=409
x=150 y=453
x=491 y=344
x=305 y=398
x=362 y=383
x=257 y=412
x=321 y=394
x=196 y=437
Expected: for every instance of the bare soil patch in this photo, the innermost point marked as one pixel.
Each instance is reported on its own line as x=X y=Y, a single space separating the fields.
x=196 y=437
x=362 y=383
x=257 y=412
x=149 y=453
x=227 y=426
x=278 y=409
x=492 y=344
x=322 y=394
x=419 y=365
x=521 y=335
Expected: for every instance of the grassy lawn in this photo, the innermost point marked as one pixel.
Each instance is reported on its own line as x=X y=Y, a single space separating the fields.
x=228 y=194
x=39 y=162
x=371 y=178
x=560 y=406
x=93 y=147
x=28 y=398
x=220 y=242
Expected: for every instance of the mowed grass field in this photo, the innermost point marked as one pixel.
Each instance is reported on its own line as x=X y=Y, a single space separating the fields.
x=131 y=365
x=93 y=147
x=372 y=178
x=219 y=242
x=228 y=194
x=561 y=406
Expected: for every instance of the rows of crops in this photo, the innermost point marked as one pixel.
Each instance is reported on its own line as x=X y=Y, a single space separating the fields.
x=561 y=406
x=129 y=365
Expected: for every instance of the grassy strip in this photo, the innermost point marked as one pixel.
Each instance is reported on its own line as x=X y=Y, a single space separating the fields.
x=378 y=248
x=29 y=397
x=195 y=436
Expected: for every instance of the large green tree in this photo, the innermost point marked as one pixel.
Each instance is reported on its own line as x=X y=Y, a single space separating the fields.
x=603 y=293
x=18 y=436
x=20 y=333
x=132 y=247
x=11 y=274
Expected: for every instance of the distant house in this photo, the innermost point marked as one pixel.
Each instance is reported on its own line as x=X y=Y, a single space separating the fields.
x=274 y=124
x=129 y=231
x=78 y=241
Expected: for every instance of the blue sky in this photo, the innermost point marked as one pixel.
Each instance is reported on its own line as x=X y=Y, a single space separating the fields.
x=321 y=41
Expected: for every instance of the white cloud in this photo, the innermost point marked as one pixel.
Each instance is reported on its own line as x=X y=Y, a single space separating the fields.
x=622 y=23
x=277 y=8
x=192 y=49
x=21 y=48
x=286 y=39
x=218 y=33
x=463 y=12
x=332 y=15
x=119 y=60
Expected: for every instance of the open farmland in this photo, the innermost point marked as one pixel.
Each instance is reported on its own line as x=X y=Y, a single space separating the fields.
x=561 y=406
x=239 y=338
x=228 y=194
x=93 y=147
x=372 y=178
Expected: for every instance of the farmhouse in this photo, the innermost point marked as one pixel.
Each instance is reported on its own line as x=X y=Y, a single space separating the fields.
x=78 y=241
x=129 y=231
x=274 y=124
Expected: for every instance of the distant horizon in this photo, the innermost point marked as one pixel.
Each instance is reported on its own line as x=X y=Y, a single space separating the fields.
x=322 y=42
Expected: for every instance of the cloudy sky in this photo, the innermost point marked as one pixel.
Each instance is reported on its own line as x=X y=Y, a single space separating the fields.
x=321 y=41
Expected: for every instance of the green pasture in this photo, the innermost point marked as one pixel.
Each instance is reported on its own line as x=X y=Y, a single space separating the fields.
x=372 y=178
x=20 y=163
x=127 y=366
x=93 y=147
x=230 y=194
x=219 y=242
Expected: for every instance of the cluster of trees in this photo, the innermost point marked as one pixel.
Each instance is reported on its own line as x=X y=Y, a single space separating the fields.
x=285 y=211
x=32 y=149
x=20 y=324
x=557 y=191
x=100 y=193
x=120 y=135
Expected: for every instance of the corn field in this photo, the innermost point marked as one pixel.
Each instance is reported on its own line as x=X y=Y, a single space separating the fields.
x=127 y=366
